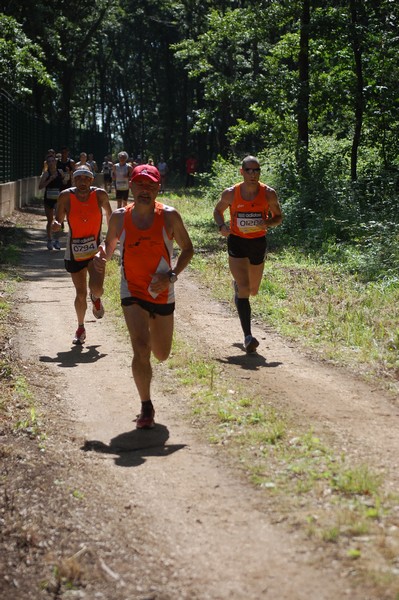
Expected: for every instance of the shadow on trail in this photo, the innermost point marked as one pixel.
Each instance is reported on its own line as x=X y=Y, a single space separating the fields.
x=250 y=362
x=77 y=355
x=132 y=447
x=39 y=263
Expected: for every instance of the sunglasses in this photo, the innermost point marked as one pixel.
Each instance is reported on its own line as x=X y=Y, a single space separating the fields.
x=256 y=170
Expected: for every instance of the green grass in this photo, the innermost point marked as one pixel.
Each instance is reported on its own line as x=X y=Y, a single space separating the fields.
x=268 y=445
x=11 y=241
x=316 y=488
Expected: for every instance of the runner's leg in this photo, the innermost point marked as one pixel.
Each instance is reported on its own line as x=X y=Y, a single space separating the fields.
x=255 y=273
x=49 y=216
x=96 y=280
x=137 y=321
x=239 y=268
x=161 y=332
x=80 y=282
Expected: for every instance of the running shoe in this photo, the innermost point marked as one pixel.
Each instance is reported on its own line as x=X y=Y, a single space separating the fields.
x=49 y=244
x=56 y=245
x=250 y=344
x=98 y=308
x=145 y=420
x=80 y=336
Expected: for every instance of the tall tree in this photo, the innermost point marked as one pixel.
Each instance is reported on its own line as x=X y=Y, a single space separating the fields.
x=21 y=61
x=215 y=77
x=303 y=91
x=355 y=31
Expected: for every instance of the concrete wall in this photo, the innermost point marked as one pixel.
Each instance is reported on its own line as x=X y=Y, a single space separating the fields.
x=17 y=194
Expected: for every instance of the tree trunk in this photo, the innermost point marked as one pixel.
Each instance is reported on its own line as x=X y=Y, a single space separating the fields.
x=359 y=96
x=303 y=95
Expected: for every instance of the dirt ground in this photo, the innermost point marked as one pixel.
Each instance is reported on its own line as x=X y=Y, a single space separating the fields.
x=99 y=510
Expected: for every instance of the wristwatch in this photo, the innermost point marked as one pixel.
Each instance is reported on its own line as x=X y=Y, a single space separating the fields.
x=172 y=277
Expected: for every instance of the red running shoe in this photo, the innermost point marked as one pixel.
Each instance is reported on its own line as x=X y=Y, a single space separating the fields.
x=145 y=419
x=80 y=336
x=98 y=308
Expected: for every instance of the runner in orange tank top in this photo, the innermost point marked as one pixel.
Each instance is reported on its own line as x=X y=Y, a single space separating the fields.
x=144 y=254
x=254 y=208
x=147 y=231
x=83 y=207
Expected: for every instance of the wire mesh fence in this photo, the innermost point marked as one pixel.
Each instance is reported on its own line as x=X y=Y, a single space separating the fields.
x=25 y=139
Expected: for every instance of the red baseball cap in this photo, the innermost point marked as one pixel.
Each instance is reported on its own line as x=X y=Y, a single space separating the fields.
x=146 y=172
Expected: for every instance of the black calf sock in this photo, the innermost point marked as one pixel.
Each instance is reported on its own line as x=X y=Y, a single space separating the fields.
x=147 y=407
x=244 y=313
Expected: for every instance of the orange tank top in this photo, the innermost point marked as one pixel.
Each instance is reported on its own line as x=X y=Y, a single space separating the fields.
x=85 y=221
x=145 y=252
x=245 y=215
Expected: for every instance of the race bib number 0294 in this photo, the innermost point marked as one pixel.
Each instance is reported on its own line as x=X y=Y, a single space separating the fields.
x=84 y=248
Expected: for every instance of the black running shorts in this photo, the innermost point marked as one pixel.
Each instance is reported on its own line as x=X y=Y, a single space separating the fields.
x=74 y=266
x=154 y=309
x=254 y=249
x=50 y=203
x=122 y=194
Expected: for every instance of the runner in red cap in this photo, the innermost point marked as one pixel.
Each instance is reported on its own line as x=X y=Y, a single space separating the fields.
x=147 y=231
x=146 y=172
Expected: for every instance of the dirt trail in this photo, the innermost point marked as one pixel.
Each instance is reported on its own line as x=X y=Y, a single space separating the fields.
x=163 y=516
x=358 y=418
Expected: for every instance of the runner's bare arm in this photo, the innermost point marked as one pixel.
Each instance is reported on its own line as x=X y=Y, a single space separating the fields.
x=274 y=208
x=62 y=210
x=115 y=226
x=45 y=180
x=103 y=200
x=218 y=214
x=183 y=240
x=175 y=227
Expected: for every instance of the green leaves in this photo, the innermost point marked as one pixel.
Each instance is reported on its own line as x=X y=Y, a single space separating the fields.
x=21 y=60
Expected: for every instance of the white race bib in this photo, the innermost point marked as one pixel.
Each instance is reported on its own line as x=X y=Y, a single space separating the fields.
x=52 y=193
x=84 y=248
x=250 y=222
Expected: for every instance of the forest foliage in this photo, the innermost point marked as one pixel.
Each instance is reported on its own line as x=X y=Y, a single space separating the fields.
x=307 y=85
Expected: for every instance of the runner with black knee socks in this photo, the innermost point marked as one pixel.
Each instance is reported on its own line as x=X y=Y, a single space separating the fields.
x=254 y=207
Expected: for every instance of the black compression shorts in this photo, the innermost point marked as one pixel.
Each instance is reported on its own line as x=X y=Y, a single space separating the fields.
x=254 y=249
x=74 y=266
x=154 y=309
x=50 y=203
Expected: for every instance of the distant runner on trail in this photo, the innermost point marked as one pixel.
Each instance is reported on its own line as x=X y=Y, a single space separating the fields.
x=254 y=207
x=121 y=173
x=51 y=182
x=83 y=206
x=146 y=230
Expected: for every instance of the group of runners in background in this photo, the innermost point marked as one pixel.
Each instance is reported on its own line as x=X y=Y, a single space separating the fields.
x=146 y=231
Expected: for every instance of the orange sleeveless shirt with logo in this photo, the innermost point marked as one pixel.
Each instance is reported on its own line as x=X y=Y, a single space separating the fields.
x=85 y=221
x=246 y=215
x=145 y=252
